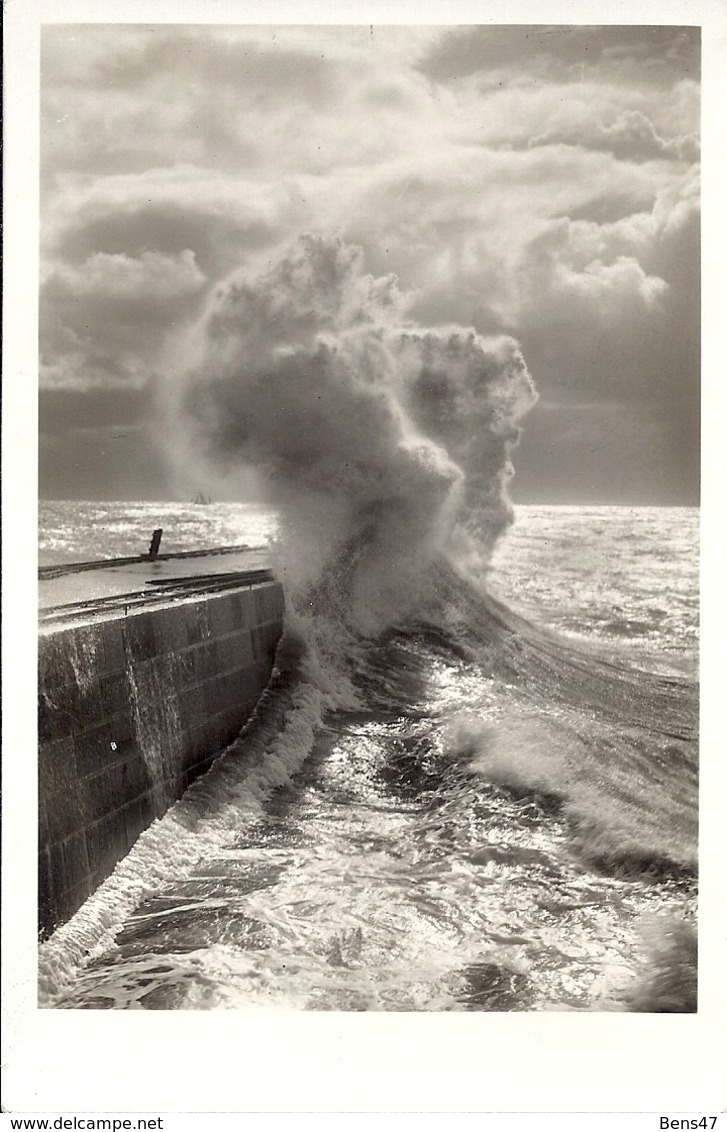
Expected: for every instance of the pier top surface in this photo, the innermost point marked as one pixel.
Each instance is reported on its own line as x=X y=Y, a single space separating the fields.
x=89 y=590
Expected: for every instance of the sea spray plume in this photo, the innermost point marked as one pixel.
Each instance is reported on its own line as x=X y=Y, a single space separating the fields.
x=467 y=393
x=309 y=372
x=298 y=381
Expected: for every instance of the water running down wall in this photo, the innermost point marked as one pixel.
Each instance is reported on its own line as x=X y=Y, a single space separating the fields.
x=131 y=710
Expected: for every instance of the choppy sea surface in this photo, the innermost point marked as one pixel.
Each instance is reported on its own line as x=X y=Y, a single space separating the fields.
x=490 y=806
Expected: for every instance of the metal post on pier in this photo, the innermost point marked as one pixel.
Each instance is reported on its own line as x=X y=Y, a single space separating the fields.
x=156 y=539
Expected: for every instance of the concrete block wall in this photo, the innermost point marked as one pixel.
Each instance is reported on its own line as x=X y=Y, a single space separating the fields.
x=131 y=710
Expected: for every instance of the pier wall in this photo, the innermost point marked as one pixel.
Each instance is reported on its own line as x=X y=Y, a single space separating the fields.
x=132 y=709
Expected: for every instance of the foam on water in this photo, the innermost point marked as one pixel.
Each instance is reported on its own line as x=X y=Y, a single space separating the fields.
x=373 y=849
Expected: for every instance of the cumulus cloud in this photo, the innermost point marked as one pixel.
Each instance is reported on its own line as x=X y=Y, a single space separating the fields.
x=555 y=275
x=630 y=134
x=152 y=275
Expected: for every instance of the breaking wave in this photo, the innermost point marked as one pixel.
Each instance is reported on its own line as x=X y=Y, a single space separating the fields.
x=536 y=780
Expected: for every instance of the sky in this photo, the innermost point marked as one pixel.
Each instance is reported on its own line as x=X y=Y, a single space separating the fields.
x=535 y=181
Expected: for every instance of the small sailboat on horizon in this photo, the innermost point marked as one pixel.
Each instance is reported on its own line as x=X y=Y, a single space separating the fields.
x=202 y=499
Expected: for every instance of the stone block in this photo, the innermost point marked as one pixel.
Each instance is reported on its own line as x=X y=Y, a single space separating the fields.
x=170 y=629
x=106 y=844
x=261 y=669
x=193 y=707
x=200 y=745
x=112 y=694
x=192 y=624
x=135 y=777
x=219 y=615
x=226 y=649
x=227 y=690
x=188 y=757
x=239 y=650
x=54 y=659
x=65 y=813
x=143 y=685
x=110 y=790
x=199 y=767
x=74 y=656
x=219 y=732
x=235 y=612
x=217 y=695
x=256 y=642
x=266 y=640
x=139 y=637
x=205 y=657
x=148 y=811
x=240 y=682
x=247 y=608
x=59 y=712
x=95 y=750
x=133 y=822
x=164 y=671
x=121 y=729
x=162 y=799
x=56 y=766
x=232 y=721
x=89 y=708
x=184 y=671
x=113 y=643
x=181 y=740
x=252 y=685
x=69 y=865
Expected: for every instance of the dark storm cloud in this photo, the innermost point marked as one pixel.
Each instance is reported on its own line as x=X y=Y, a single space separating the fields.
x=563 y=53
x=115 y=409
x=218 y=235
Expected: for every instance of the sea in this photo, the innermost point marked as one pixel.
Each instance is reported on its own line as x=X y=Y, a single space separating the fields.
x=489 y=804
